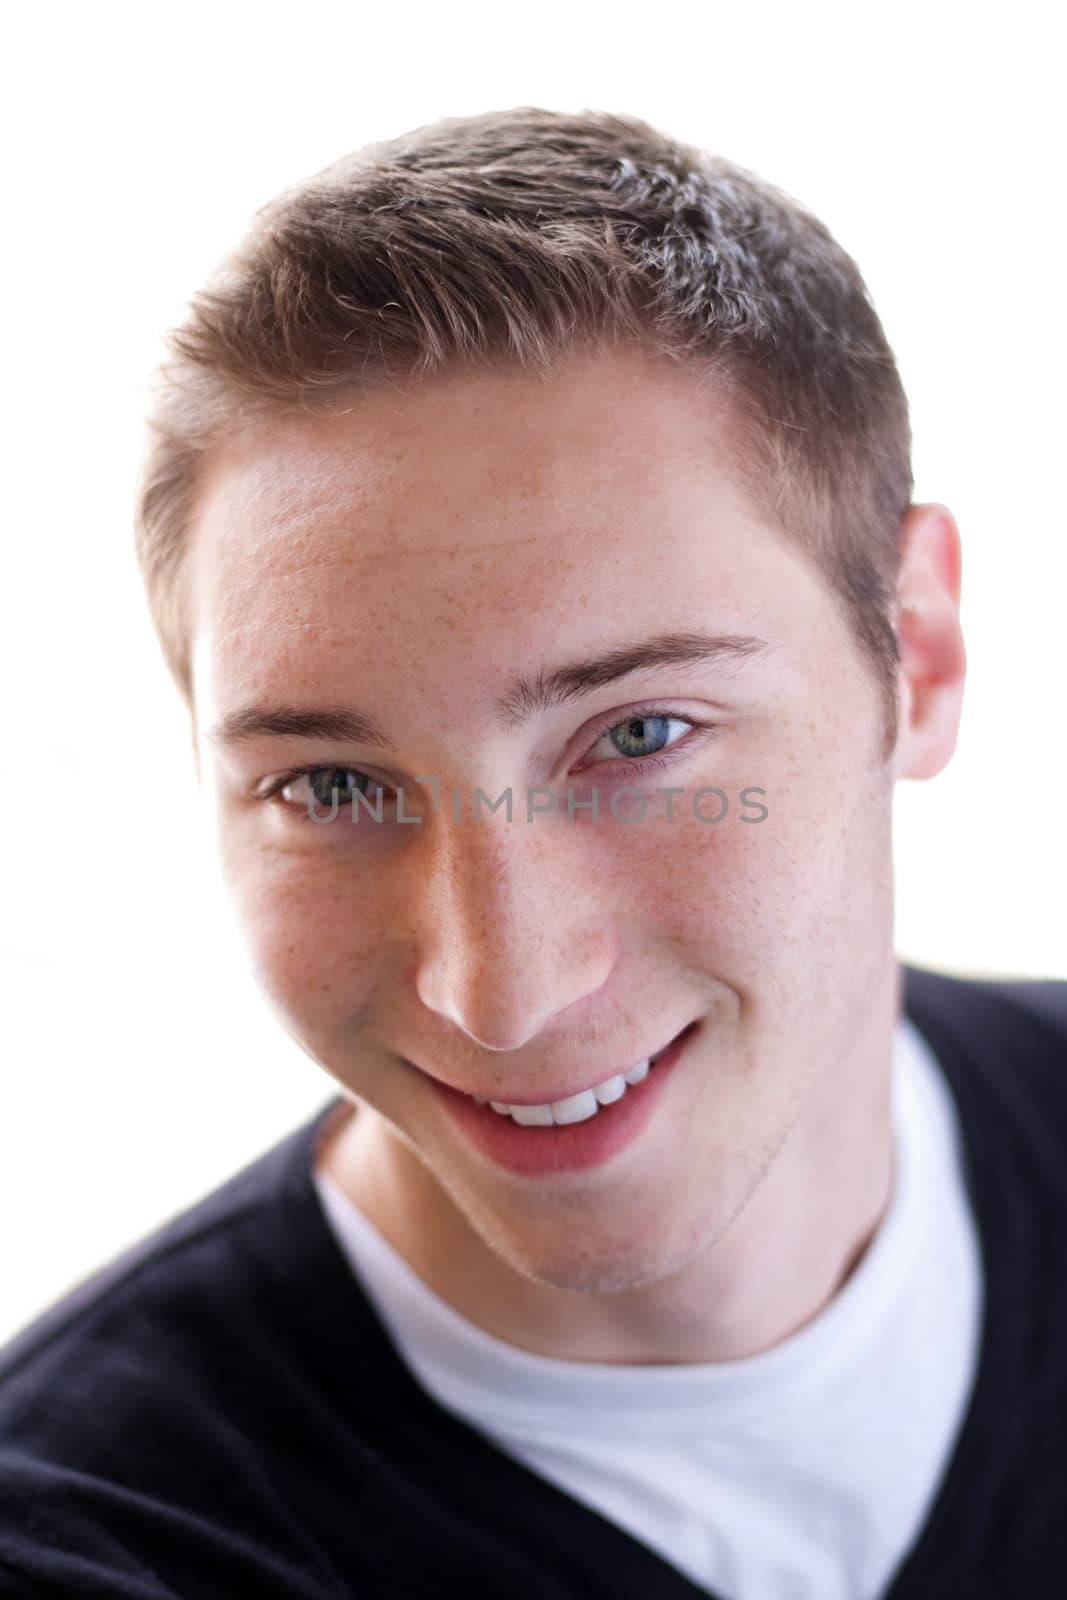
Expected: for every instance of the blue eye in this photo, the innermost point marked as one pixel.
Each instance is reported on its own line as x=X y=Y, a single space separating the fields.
x=647 y=726
x=324 y=783
x=633 y=736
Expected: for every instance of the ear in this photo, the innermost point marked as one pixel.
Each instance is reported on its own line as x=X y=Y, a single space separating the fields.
x=933 y=657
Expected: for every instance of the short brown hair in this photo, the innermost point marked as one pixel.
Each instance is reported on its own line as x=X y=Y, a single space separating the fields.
x=522 y=238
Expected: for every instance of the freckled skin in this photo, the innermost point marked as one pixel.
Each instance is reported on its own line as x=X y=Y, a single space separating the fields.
x=410 y=557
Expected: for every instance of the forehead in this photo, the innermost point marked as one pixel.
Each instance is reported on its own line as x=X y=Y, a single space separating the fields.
x=625 y=424
x=478 y=506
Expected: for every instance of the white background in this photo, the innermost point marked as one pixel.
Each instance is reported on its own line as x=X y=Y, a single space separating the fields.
x=139 y=1065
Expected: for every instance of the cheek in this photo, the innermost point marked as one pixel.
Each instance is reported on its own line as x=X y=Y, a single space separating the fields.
x=312 y=934
x=724 y=894
x=753 y=901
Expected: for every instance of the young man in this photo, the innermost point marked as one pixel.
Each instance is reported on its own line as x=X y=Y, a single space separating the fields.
x=536 y=458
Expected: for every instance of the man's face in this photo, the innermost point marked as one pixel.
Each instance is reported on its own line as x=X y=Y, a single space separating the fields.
x=412 y=559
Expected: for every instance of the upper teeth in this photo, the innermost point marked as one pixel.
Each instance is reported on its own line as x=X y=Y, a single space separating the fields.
x=577 y=1107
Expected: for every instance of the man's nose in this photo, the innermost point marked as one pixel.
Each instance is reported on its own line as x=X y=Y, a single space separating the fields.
x=511 y=931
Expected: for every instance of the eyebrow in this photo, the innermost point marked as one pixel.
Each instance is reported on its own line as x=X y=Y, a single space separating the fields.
x=523 y=699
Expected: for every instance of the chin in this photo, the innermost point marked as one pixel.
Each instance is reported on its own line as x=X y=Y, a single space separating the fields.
x=600 y=1265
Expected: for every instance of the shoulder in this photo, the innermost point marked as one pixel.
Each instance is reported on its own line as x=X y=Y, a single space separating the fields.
x=1035 y=1008
x=129 y=1304
x=1042 y=998
x=130 y=1410
x=1002 y=1042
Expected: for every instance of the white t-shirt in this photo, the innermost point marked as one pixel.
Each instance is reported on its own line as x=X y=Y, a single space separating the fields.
x=802 y=1473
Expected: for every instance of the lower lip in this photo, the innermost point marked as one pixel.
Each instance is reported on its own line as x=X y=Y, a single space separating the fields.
x=567 y=1147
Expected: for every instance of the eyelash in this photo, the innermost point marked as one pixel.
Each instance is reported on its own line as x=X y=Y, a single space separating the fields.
x=654 y=763
x=625 y=767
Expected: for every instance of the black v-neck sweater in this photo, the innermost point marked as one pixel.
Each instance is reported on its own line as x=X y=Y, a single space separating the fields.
x=220 y=1414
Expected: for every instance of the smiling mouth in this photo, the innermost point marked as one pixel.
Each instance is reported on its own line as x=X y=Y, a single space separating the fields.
x=586 y=1103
